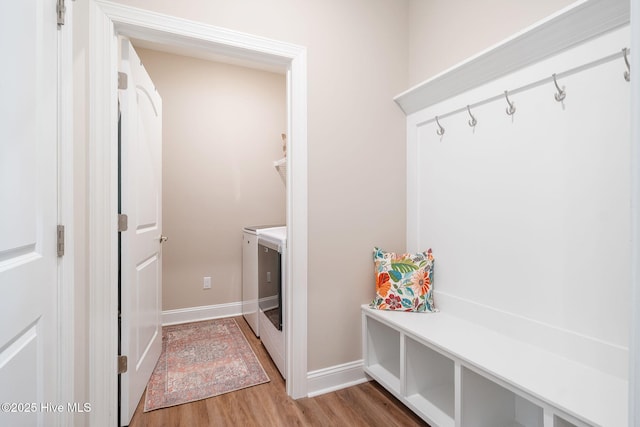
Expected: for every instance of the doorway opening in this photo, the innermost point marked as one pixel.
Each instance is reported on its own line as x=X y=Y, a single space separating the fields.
x=107 y=21
x=222 y=126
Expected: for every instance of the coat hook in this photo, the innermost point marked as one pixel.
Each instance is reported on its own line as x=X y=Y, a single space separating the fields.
x=561 y=94
x=440 y=131
x=627 y=74
x=473 y=122
x=511 y=109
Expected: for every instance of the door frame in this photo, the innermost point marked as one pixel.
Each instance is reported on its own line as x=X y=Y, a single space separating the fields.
x=107 y=20
x=66 y=299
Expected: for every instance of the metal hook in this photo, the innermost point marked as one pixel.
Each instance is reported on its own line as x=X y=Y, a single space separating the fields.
x=473 y=122
x=511 y=109
x=627 y=74
x=561 y=95
x=440 y=131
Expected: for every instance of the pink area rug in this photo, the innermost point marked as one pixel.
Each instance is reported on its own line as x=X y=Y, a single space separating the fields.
x=201 y=360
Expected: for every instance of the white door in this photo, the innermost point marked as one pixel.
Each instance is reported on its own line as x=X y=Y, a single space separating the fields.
x=141 y=256
x=28 y=213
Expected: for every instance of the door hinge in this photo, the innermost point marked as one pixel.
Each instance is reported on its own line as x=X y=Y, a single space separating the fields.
x=122 y=80
x=60 y=11
x=123 y=222
x=60 y=240
x=122 y=364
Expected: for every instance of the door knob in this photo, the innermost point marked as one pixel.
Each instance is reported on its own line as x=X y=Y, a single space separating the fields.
x=163 y=238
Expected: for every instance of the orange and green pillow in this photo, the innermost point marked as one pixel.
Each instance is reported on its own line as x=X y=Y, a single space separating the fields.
x=403 y=282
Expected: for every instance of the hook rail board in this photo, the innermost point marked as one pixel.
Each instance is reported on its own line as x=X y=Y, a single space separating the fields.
x=559 y=96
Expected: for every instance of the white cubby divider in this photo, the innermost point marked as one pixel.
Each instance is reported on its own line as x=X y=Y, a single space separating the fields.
x=454 y=373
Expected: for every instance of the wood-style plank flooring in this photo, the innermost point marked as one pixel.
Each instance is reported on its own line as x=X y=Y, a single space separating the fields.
x=267 y=405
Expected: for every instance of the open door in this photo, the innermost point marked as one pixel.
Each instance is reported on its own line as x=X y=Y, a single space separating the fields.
x=29 y=349
x=140 y=244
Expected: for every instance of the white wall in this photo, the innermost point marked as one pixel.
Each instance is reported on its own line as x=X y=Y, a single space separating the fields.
x=634 y=341
x=529 y=216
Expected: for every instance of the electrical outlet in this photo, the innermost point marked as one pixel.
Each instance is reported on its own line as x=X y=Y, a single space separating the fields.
x=207 y=283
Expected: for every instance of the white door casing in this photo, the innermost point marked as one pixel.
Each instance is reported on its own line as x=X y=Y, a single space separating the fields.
x=106 y=20
x=29 y=349
x=141 y=255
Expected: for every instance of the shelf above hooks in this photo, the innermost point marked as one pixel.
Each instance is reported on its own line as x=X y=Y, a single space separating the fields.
x=580 y=21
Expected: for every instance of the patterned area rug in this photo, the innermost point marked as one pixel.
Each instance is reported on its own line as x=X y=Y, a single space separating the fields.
x=201 y=360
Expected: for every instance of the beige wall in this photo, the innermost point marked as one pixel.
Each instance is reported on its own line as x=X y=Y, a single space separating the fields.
x=361 y=53
x=221 y=135
x=357 y=62
x=443 y=33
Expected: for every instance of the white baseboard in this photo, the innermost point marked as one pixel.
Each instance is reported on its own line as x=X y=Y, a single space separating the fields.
x=206 y=312
x=335 y=378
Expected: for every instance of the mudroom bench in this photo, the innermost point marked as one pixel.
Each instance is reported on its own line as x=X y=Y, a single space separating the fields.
x=452 y=372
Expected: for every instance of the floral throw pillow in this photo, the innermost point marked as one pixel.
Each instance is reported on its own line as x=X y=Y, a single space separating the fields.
x=403 y=282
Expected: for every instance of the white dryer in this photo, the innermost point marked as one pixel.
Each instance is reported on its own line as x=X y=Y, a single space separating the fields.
x=250 y=273
x=272 y=244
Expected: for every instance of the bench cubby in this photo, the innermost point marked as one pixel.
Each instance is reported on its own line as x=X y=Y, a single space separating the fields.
x=383 y=343
x=488 y=404
x=429 y=382
x=560 y=422
x=454 y=373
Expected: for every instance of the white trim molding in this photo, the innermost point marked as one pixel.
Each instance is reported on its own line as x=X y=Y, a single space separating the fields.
x=336 y=378
x=103 y=245
x=107 y=21
x=198 y=314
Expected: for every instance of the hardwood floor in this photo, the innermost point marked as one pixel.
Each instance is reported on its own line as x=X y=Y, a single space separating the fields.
x=267 y=405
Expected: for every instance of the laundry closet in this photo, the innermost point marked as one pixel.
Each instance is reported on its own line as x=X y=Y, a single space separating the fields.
x=224 y=127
